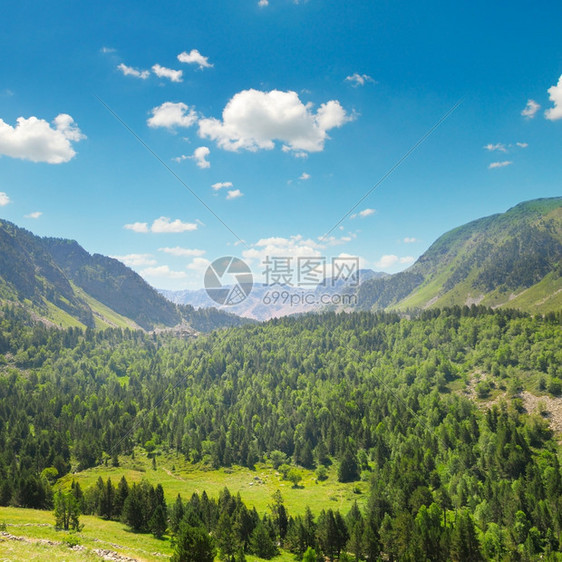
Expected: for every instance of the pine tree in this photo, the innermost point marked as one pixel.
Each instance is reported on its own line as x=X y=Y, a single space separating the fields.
x=176 y=515
x=193 y=544
x=464 y=542
x=67 y=512
x=158 y=523
x=120 y=497
x=348 y=470
x=261 y=543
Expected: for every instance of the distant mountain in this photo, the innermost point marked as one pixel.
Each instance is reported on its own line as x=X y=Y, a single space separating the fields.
x=273 y=301
x=511 y=259
x=60 y=282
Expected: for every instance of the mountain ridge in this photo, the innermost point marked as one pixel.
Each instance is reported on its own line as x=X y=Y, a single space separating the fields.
x=58 y=281
x=492 y=261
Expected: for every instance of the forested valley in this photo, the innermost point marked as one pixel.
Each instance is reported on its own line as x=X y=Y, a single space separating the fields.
x=394 y=400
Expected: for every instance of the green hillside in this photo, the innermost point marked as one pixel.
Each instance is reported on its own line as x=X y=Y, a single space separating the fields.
x=512 y=259
x=60 y=282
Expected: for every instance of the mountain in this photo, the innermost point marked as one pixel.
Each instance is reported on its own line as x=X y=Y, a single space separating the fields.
x=274 y=301
x=512 y=259
x=60 y=282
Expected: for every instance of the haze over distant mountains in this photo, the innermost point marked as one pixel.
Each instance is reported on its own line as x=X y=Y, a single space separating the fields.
x=513 y=259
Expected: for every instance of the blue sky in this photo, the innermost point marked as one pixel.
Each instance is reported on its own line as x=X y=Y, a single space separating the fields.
x=293 y=111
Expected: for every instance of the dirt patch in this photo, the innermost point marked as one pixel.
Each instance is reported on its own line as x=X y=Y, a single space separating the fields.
x=552 y=407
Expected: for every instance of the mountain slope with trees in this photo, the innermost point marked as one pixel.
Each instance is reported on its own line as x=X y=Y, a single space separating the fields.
x=378 y=394
x=512 y=259
x=61 y=282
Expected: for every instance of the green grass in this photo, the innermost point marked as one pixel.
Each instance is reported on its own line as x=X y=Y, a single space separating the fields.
x=97 y=533
x=62 y=318
x=180 y=477
x=104 y=316
x=37 y=526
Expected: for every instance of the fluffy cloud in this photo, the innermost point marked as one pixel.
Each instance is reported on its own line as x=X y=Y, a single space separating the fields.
x=221 y=184
x=363 y=214
x=195 y=57
x=410 y=240
x=502 y=164
x=530 y=109
x=498 y=146
x=200 y=156
x=359 y=79
x=171 y=115
x=163 y=271
x=390 y=260
x=136 y=260
x=137 y=227
x=166 y=225
x=34 y=215
x=522 y=144
x=263 y=3
x=253 y=120
x=182 y=252
x=36 y=140
x=163 y=72
x=234 y=194
x=199 y=264
x=4 y=199
x=162 y=225
x=304 y=176
x=292 y=247
x=130 y=71
x=555 y=94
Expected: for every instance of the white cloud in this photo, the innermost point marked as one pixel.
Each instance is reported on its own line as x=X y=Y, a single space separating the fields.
x=221 y=184
x=359 y=79
x=182 y=252
x=163 y=72
x=410 y=240
x=390 y=260
x=171 y=115
x=107 y=50
x=162 y=225
x=253 y=120
x=137 y=227
x=199 y=264
x=130 y=71
x=195 y=57
x=263 y=3
x=498 y=146
x=363 y=214
x=530 y=109
x=503 y=164
x=522 y=144
x=163 y=271
x=4 y=199
x=136 y=260
x=34 y=139
x=293 y=247
x=166 y=225
x=234 y=194
x=555 y=95
x=304 y=176
x=199 y=155
x=34 y=215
